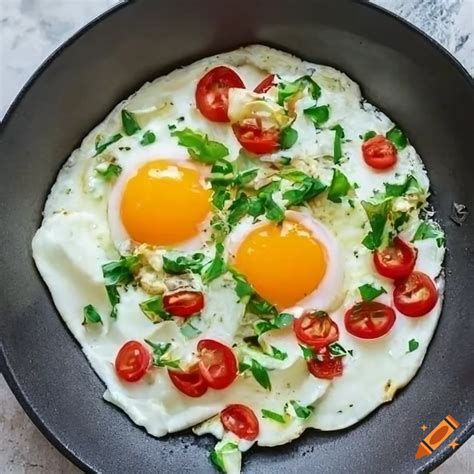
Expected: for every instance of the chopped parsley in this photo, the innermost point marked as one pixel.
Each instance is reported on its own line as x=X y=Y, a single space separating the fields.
x=305 y=187
x=189 y=331
x=129 y=123
x=260 y=374
x=429 y=230
x=369 y=135
x=308 y=352
x=148 y=138
x=177 y=264
x=91 y=315
x=271 y=415
x=161 y=357
x=277 y=354
x=287 y=90
x=200 y=148
x=153 y=309
x=318 y=114
x=300 y=410
x=219 y=453
x=413 y=345
x=369 y=292
x=217 y=266
x=397 y=137
x=377 y=214
x=339 y=186
x=410 y=186
x=108 y=171
x=337 y=150
x=337 y=350
x=280 y=321
x=288 y=137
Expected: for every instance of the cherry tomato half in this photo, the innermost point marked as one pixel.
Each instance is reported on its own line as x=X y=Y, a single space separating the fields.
x=191 y=383
x=265 y=85
x=256 y=140
x=395 y=261
x=316 y=329
x=369 y=319
x=241 y=421
x=212 y=93
x=132 y=361
x=217 y=363
x=324 y=366
x=415 y=295
x=183 y=303
x=379 y=152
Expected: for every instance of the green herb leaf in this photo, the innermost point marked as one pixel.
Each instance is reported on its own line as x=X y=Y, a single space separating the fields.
x=189 y=331
x=306 y=187
x=397 y=137
x=114 y=298
x=219 y=229
x=160 y=355
x=410 y=186
x=377 y=214
x=283 y=320
x=261 y=327
x=176 y=264
x=338 y=136
x=413 y=345
x=91 y=316
x=100 y=147
x=277 y=354
x=288 y=137
x=319 y=115
x=369 y=135
x=222 y=173
x=260 y=374
x=217 y=455
x=148 y=138
x=273 y=211
x=245 y=177
x=260 y=307
x=308 y=352
x=429 y=230
x=110 y=172
x=271 y=415
x=286 y=90
x=243 y=289
x=200 y=148
x=238 y=209
x=336 y=350
x=153 y=309
x=119 y=272
x=339 y=186
x=243 y=367
x=219 y=197
x=129 y=123
x=369 y=292
x=217 y=267
x=300 y=410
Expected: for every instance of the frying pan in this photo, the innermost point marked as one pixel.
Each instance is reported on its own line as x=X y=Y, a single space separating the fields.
x=416 y=82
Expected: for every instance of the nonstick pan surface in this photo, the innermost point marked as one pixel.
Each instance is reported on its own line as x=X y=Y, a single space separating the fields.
x=417 y=83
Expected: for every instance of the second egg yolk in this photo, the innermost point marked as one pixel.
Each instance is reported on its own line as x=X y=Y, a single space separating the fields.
x=284 y=263
x=164 y=203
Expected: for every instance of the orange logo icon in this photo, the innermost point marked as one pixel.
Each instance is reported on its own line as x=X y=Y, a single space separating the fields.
x=437 y=436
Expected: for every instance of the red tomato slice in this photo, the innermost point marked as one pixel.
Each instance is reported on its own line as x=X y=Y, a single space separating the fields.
x=241 y=421
x=265 y=85
x=256 y=140
x=415 y=295
x=212 y=93
x=183 y=303
x=324 y=366
x=217 y=363
x=369 y=319
x=379 y=152
x=316 y=329
x=132 y=361
x=191 y=383
x=395 y=261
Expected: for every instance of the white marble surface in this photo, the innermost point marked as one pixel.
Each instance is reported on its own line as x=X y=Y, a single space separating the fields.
x=29 y=31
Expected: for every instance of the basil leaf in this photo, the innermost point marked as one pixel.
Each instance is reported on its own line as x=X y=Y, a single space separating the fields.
x=159 y=355
x=429 y=230
x=377 y=214
x=148 y=138
x=369 y=292
x=338 y=136
x=119 y=272
x=319 y=115
x=109 y=173
x=200 y=148
x=277 y=354
x=369 y=135
x=153 y=309
x=219 y=197
x=288 y=137
x=100 y=147
x=242 y=288
x=271 y=415
x=413 y=345
x=306 y=188
x=217 y=267
x=129 y=123
x=114 y=299
x=189 y=331
x=300 y=410
x=287 y=90
x=308 y=352
x=91 y=316
x=238 y=209
x=260 y=307
x=283 y=320
x=176 y=264
x=260 y=374
x=336 y=350
x=397 y=137
x=410 y=186
x=339 y=186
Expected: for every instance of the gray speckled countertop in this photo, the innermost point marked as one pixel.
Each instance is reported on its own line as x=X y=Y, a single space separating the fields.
x=29 y=31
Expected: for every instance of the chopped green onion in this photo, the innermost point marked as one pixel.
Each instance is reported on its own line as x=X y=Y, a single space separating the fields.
x=129 y=123
x=91 y=316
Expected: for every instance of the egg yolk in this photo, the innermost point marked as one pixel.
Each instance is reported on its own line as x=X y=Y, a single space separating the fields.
x=164 y=203
x=283 y=263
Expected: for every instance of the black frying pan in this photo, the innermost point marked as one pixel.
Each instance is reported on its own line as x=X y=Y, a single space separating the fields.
x=416 y=82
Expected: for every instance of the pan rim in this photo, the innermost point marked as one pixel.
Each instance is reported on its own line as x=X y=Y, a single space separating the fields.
x=9 y=374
